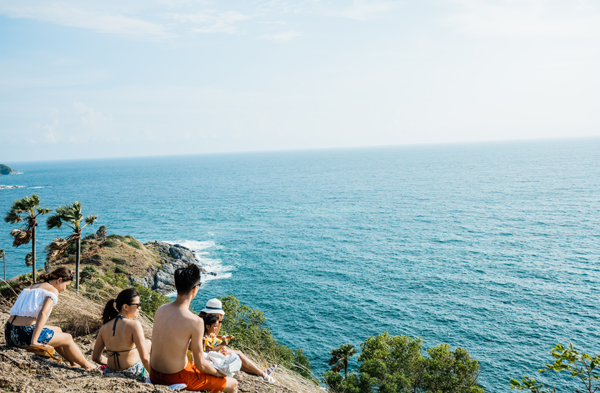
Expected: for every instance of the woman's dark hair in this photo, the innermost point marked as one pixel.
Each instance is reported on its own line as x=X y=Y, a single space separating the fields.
x=113 y=306
x=210 y=319
x=61 y=272
x=186 y=278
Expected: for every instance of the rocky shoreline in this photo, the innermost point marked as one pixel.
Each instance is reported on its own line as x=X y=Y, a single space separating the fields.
x=171 y=257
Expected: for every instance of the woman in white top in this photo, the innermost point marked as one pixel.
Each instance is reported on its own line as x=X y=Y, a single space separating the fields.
x=26 y=326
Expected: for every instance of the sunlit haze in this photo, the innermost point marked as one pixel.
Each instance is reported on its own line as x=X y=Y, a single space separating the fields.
x=89 y=79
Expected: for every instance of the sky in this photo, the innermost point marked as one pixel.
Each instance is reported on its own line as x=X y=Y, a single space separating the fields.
x=95 y=79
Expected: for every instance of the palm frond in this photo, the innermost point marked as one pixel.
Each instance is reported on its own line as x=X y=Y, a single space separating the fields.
x=89 y=220
x=13 y=217
x=1 y=253
x=43 y=210
x=54 y=221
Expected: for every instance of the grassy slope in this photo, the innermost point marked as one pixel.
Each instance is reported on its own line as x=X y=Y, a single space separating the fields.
x=80 y=316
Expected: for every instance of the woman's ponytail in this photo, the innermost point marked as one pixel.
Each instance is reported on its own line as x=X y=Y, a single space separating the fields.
x=44 y=277
x=113 y=306
x=110 y=311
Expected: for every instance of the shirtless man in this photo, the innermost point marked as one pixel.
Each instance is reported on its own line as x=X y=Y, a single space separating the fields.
x=176 y=329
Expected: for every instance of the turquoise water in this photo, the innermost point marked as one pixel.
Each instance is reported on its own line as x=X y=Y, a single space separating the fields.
x=492 y=247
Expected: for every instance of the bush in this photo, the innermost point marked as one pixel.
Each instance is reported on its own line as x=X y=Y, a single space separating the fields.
x=396 y=364
x=89 y=272
x=116 y=279
x=110 y=244
x=120 y=270
x=150 y=300
x=115 y=237
x=119 y=261
x=248 y=327
x=578 y=365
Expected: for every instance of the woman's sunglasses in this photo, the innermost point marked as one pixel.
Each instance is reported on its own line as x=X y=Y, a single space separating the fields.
x=138 y=305
x=67 y=278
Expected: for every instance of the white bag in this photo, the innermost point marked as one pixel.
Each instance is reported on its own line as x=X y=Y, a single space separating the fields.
x=226 y=365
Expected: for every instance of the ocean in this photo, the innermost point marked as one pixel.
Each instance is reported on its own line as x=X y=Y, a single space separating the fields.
x=493 y=247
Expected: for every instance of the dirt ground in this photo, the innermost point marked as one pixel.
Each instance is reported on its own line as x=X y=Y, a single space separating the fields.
x=21 y=371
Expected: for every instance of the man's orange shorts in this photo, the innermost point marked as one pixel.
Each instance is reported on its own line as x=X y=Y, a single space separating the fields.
x=192 y=377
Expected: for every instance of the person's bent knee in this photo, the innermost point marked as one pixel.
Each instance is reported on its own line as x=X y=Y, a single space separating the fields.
x=231 y=385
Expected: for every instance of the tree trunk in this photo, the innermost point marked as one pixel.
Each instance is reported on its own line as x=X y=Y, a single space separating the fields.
x=33 y=251
x=345 y=369
x=77 y=259
x=4 y=259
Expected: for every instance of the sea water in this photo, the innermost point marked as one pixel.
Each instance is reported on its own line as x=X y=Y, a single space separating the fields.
x=493 y=247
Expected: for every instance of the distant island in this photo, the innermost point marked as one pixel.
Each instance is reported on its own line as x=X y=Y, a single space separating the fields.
x=6 y=170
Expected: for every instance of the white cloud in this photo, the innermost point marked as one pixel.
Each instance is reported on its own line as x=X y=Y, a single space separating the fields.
x=73 y=16
x=283 y=36
x=365 y=10
x=87 y=115
x=213 y=21
x=527 y=18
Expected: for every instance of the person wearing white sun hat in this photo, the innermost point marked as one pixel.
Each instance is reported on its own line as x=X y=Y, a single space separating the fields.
x=214 y=306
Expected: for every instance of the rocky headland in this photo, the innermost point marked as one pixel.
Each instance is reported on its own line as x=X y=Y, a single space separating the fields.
x=108 y=264
x=6 y=170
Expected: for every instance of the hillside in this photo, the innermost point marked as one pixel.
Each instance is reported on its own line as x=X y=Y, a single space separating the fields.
x=110 y=264
x=6 y=170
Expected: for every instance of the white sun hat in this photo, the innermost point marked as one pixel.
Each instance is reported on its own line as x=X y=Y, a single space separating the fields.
x=214 y=306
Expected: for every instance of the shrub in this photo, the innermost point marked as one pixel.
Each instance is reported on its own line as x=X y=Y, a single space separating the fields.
x=110 y=244
x=116 y=279
x=150 y=300
x=119 y=261
x=115 y=237
x=88 y=272
x=120 y=270
x=578 y=365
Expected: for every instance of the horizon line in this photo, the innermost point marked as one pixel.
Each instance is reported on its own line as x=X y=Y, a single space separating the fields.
x=424 y=144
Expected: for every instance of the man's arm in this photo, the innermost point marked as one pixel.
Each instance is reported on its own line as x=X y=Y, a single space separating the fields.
x=197 y=350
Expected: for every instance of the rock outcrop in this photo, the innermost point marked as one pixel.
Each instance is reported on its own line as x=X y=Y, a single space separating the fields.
x=6 y=170
x=172 y=257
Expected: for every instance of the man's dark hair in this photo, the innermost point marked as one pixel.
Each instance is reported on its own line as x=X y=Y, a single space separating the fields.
x=186 y=278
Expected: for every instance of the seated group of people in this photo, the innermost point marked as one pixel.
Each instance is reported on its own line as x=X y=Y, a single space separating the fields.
x=181 y=339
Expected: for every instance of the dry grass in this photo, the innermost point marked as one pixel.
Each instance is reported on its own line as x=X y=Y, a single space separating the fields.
x=285 y=377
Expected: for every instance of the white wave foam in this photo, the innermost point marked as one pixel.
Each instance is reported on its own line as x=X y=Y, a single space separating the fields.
x=214 y=266
x=38 y=187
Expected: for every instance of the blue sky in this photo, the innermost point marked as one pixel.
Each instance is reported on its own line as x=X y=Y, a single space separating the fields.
x=88 y=79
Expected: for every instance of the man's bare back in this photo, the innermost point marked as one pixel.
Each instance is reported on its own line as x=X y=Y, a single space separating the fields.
x=174 y=327
x=175 y=330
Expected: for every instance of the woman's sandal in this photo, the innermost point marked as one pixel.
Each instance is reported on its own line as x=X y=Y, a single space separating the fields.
x=43 y=350
x=268 y=378
x=271 y=369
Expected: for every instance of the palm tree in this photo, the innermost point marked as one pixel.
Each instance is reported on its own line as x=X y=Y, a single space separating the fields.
x=4 y=260
x=342 y=354
x=71 y=216
x=26 y=209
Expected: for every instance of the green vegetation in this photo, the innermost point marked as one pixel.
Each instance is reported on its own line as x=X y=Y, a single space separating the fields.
x=115 y=237
x=341 y=356
x=110 y=244
x=116 y=280
x=579 y=365
x=72 y=216
x=89 y=272
x=5 y=170
x=119 y=261
x=248 y=327
x=26 y=209
x=150 y=300
x=390 y=364
x=101 y=232
x=119 y=269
